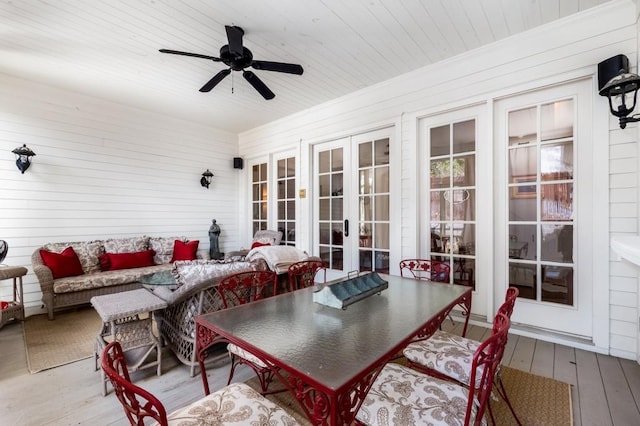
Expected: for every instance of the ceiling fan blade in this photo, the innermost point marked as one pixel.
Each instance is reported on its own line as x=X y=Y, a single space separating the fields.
x=195 y=55
x=258 y=85
x=278 y=66
x=234 y=35
x=215 y=80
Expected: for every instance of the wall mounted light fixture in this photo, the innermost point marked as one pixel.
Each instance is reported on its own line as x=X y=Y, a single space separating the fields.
x=205 y=180
x=23 y=157
x=620 y=87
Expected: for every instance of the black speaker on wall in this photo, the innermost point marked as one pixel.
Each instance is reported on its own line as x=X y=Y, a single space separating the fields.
x=238 y=163
x=610 y=68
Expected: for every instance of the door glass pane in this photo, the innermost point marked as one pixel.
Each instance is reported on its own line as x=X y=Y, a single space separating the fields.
x=365 y=157
x=523 y=276
x=382 y=179
x=464 y=136
x=330 y=205
x=365 y=182
x=522 y=242
x=556 y=120
x=557 y=284
x=556 y=161
x=440 y=173
x=464 y=171
x=382 y=207
x=366 y=209
x=325 y=188
x=324 y=161
x=336 y=209
x=523 y=126
x=439 y=141
x=556 y=201
x=336 y=160
x=522 y=164
x=382 y=152
x=557 y=243
x=464 y=203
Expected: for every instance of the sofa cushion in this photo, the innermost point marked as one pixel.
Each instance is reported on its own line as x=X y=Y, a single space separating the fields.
x=163 y=246
x=87 y=251
x=126 y=245
x=65 y=264
x=184 y=251
x=105 y=279
x=114 y=261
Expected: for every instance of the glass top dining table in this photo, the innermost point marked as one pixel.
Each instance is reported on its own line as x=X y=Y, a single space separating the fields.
x=328 y=357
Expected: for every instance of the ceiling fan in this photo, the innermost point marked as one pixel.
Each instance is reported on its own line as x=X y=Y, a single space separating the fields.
x=237 y=58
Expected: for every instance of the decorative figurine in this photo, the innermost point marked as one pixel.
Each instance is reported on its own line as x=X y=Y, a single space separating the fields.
x=214 y=247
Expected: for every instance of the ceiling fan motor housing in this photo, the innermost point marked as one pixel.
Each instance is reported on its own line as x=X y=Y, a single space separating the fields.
x=236 y=62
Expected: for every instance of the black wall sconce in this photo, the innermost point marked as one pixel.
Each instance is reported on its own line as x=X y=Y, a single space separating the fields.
x=23 y=157
x=620 y=87
x=205 y=180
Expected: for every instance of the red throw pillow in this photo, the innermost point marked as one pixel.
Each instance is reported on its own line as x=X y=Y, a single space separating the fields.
x=65 y=264
x=139 y=259
x=259 y=244
x=185 y=251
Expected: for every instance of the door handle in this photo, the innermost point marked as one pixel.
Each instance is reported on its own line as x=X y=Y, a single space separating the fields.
x=346 y=227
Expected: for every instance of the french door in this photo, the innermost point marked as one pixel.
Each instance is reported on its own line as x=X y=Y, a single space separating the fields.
x=544 y=226
x=353 y=229
x=456 y=198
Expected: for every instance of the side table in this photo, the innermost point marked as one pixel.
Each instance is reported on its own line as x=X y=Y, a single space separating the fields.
x=14 y=308
x=122 y=319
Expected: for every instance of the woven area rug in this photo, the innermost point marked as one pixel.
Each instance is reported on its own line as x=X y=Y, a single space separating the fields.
x=66 y=339
x=537 y=400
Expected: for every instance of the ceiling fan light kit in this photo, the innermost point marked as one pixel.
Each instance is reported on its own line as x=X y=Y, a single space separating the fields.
x=238 y=58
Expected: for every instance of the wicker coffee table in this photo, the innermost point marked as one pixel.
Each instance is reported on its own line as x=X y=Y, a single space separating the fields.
x=127 y=318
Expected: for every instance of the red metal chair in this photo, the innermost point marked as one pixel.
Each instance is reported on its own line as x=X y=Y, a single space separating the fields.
x=431 y=270
x=225 y=405
x=302 y=274
x=423 y=269
x=238 y=289
x=448 y=356
x=423 y=399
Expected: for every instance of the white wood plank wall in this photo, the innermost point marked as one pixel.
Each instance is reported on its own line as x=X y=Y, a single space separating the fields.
x=105 y=170
x=563 y=50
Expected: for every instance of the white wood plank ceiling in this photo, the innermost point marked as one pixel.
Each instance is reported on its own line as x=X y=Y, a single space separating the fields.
x=109 y=49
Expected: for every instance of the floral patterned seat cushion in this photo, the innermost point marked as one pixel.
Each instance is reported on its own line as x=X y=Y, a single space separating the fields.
x=447 y=354
x=247 y=356
x=402 y=396
x=234 y=404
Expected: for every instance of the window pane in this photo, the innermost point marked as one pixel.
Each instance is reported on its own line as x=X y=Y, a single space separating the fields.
x=557 y=284
x=366 y=182
x=557 y=243
x=522 y=164
x=381 y=236
x=522 y=126
x=291 y=167
x=439 y=205
x=556 y=201
x=556 y=120
x=522 y=203
x=263 y=191
x=464 y=271
x=382 y=152
x=325 y=188
x=556 y=161
x=440 y=172
x=365 y=156
x=365 y=209
x=263 y=171
x=323 y=161
x=381 y=261
x=282 y=169
x=464 y=203
x=365 y=263
x=336 y=209
x=336 y=234
x=291 y=231
x=523 y=276
x=291 y=188
x=324 y=233
x=336 y=184
x=281 y=210
x=281 y=189
x=522 y=242
x=439 y=138
x=464 y=171
x=255 y=171
x=291 y=210
x=382 y=179
x=365 y=235
x=336 y=160
x=382 y=207
x=325 y=208
x=464 y=136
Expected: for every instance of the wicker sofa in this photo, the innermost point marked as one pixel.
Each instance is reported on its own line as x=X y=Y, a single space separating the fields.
x=78 y=289
x=196 y=294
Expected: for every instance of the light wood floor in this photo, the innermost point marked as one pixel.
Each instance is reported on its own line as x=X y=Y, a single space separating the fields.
x=605 y=390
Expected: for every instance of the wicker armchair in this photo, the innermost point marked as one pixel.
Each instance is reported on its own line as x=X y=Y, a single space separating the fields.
x=197 y=294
